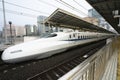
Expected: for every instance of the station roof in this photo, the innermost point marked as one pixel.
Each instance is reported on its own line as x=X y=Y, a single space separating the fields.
x=106 y=8
x=63 y=18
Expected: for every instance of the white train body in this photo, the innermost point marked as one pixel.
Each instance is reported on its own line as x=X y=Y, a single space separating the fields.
x=44 y=47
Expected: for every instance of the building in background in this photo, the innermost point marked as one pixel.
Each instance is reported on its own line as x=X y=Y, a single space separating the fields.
x=15 y=34
x=20 y=31
x=94 y=13
x=9 y=31
x=31 y=30
x=101 y=22
x=46 y=29
x=16 y=31
x=42 y=29
x=0 y=37
x=0 y=34
x=92 y=20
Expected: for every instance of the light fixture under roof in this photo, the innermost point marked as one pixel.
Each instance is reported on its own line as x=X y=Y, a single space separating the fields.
x=116 y=15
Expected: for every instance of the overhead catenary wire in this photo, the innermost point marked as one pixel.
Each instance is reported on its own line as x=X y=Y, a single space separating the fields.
x=60 y=1
x=84 y=7
x=73 y=8
x=43 y=1
x=25 y=7
x=19 y=13
x=64 y=4
x=80 y=5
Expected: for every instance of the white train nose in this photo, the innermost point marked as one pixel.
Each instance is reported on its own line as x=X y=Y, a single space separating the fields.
x=7 y=57
x=4 y=56
x=10 y=57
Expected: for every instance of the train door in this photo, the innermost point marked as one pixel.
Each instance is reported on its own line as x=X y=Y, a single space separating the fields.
x=75 y=35
x=70 y=39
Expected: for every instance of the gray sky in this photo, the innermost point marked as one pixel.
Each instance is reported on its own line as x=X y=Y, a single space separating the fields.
x=46 y=7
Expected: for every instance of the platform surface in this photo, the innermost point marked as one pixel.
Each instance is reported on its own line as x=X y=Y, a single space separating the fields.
x=118 y=65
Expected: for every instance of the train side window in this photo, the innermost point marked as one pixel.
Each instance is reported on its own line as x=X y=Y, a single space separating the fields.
x=73 y=35
x=78 y=37
x=69 y=36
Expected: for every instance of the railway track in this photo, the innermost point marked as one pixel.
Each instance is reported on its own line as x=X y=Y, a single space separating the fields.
x=58 y=71
x=54 y=66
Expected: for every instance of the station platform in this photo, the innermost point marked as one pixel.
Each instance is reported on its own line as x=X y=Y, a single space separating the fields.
x=118 y=63
x=112 y=71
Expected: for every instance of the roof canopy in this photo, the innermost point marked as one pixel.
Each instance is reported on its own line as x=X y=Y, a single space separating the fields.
x=63 y=18
x=106 y=8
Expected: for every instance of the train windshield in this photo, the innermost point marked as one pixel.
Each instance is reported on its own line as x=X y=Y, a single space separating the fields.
x=49 y=35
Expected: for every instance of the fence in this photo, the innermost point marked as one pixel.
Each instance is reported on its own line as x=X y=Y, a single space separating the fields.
x=92 y=68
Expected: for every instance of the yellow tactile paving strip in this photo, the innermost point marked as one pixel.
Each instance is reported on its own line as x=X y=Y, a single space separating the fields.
x=118 y=65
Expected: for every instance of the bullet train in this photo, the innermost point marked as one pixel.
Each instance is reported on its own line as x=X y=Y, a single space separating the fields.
x=47 y=46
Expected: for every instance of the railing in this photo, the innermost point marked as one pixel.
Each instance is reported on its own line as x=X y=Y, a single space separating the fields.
x=92 y=68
